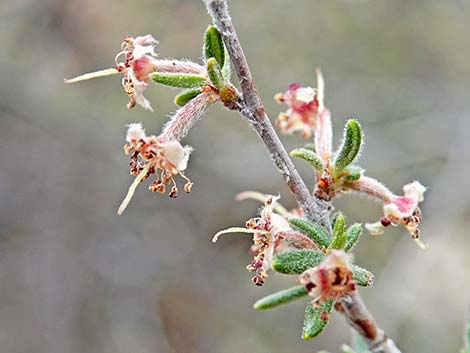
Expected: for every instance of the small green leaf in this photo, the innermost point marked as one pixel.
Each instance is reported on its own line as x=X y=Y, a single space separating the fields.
x=316 y=318
x=353 y=234
x=297 y=261
x=310 y=156
x=352 y=143
x=215 y=75
x=179 y=80
x=281 y=297
x=339 y=235
x=184 y=97
x=362 y=277
x=335 y=216
x=314 y=231
x=214 y=46
x=353 y=172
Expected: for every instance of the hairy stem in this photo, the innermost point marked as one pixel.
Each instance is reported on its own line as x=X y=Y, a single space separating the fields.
x=251 y=107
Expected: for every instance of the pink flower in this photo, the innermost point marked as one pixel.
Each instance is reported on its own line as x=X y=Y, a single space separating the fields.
x=136 y=61
x=305 y=104
x=139 y=62
x=397 y=210
x=271 y=234
x=163 y=157
x=302 y=112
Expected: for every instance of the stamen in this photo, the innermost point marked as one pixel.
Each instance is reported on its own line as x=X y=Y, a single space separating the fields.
x=258 y=196
x=118 y=55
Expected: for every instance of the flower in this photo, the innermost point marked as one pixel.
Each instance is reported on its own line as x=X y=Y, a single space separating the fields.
x=332 y=279
x=302 y=112
x=397 y=210
x=305 y=103
x=163 y=157
x=271 y=234
x=139 y=62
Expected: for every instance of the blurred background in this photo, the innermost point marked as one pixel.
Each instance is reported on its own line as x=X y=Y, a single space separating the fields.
x=76 y=278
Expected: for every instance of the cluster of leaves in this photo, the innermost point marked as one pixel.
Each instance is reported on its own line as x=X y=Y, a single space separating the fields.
x=218 y=73
x=295 y=262
x=341 y=166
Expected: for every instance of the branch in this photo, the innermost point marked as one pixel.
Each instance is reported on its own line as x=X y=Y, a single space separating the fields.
x=251 y=107
x=355 y=311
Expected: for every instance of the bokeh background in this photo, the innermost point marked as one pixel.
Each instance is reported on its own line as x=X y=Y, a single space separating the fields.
x=76 y=278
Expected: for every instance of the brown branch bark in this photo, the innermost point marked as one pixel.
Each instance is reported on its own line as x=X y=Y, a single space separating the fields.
x=356 y=314
x=251 y=107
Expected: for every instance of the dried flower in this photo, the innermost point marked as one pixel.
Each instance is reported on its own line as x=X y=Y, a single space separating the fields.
x=332 y=279
x=155 y=155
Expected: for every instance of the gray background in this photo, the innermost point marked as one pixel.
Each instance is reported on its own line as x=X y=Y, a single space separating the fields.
x=76 y=278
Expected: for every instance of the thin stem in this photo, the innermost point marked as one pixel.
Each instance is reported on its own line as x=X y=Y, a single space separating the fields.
x=251 y=107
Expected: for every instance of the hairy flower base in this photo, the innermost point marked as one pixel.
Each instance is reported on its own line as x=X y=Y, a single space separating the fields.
x=151 y=155
x=332 y=279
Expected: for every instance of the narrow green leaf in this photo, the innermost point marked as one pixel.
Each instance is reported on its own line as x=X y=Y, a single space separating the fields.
x=297 y=261
x=362 y=277
x=281 y=297
x=353 y=234
x=334 y=217
x=311 y=157
x=352 y=143
x=339 y=235
x=353 y=172
x=215 y=75
x=316 y=318
x=179 y=80
x=315 y=231
x=214 y=45
x=184 y=97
